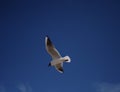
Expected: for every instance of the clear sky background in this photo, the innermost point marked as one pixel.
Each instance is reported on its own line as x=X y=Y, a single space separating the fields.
x=87 y=31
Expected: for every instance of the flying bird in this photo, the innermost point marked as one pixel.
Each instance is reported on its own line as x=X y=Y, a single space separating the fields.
x=57 y=59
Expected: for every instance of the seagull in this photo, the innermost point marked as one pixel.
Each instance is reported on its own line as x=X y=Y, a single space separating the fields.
x=57 y=59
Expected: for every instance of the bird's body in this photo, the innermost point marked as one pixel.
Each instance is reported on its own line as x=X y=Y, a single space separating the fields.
x=57 y=59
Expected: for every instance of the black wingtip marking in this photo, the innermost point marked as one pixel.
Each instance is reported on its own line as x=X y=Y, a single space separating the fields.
x=61 y=70
x=47 y=36
x=49 y=42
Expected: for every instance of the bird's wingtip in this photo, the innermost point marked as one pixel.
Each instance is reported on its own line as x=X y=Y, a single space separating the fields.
x=47 y=36
x=61 y=72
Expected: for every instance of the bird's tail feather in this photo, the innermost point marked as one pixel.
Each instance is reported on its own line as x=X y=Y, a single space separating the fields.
x=67 y=59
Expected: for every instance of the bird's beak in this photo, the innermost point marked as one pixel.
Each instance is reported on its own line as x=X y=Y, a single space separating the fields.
x=49 y=64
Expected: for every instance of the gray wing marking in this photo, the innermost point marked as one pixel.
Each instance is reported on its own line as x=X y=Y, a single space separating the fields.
x=51 y=48
x=59 y=67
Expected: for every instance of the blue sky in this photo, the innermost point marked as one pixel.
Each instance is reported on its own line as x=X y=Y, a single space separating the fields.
x=87 y=31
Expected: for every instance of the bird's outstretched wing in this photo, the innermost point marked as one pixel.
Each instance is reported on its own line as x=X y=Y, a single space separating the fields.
x=59 y=67
x=51 y=48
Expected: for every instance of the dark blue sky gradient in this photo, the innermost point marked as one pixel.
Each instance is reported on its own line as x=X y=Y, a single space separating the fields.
x=87 y=31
